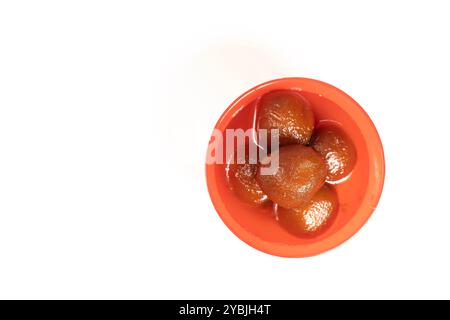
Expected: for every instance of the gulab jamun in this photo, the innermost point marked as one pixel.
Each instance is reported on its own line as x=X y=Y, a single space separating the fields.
x=313 y=218
x=242 y=180
x=337 y=149
x=300 y=173
x=290 y=113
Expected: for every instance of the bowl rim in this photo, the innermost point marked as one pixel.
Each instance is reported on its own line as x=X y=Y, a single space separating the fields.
x=376 y=174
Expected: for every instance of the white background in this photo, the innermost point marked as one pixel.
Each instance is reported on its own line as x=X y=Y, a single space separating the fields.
x=105 y=113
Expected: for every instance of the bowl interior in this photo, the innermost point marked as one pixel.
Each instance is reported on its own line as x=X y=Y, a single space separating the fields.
x=358 y=195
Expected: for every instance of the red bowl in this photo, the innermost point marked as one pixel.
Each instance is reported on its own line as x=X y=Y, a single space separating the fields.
x=358 y=195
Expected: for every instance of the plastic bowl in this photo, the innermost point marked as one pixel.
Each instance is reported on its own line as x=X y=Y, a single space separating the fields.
x=358 y=195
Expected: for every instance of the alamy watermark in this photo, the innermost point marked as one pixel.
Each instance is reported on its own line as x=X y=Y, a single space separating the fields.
x=249 y=146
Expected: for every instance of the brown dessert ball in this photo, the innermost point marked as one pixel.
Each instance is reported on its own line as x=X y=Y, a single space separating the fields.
x=300 y=173
x=337 y=149
x=313 y=218
x=289 y=112
x=242 y=180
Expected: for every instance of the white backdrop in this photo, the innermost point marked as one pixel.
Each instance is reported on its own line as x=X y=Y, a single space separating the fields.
x=105 y=113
